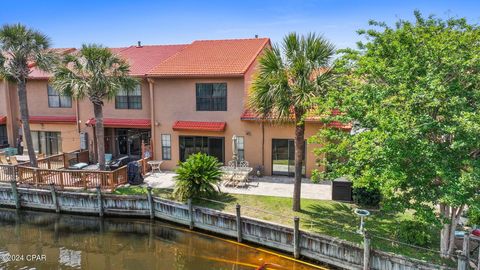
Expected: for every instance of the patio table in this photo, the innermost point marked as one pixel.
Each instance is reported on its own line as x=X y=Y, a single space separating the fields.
x=155 y=164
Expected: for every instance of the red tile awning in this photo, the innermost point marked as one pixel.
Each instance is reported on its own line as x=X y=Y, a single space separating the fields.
x=52 y=119
x=248 y=115
x=202 y=126
x=121 y=123
x=3 y=119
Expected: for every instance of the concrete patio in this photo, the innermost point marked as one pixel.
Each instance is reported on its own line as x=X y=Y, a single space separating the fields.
x=268 y=185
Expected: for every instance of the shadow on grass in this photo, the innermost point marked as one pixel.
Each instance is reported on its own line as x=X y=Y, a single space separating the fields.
x=218 y=202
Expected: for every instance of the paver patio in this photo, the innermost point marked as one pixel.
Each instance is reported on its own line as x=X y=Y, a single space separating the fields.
x=268 y=185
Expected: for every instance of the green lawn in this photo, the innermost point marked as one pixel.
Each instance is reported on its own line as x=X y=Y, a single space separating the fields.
x=326 y=217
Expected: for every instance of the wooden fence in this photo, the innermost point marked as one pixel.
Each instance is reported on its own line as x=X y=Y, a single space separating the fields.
x=313 y=246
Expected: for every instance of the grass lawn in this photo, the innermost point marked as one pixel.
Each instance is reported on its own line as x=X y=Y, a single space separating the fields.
x=326 y=217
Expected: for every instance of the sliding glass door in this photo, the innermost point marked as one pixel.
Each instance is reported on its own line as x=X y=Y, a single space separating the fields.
x=283 y=157
x=213 y=146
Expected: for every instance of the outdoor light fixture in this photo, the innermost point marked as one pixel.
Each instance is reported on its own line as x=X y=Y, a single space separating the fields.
x=362 y=214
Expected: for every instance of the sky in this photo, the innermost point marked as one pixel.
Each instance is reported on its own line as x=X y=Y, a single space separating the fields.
x=123 y=23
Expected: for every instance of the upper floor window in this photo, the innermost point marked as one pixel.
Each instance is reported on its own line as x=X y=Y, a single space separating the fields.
x=55 y=100
x=211 y=96
x=129 y=99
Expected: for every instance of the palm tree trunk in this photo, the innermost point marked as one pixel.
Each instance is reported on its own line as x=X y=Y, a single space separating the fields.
x=100 y=134
x=299 y=153
x=27 y=134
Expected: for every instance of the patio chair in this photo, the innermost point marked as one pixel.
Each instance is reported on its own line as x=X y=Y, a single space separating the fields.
x=243 y=164
x=108 y=158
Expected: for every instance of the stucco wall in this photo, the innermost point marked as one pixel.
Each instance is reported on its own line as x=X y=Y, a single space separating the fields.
x=37 y=95
x=69 y=135
x=175 y=99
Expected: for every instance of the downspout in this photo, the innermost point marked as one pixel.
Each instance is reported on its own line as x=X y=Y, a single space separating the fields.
x=153 y=150
x=77 y=114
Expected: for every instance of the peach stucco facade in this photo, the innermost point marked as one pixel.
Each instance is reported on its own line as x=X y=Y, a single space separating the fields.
x=165 y=100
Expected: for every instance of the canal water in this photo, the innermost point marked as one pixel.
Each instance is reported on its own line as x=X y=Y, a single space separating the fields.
x=40 y=240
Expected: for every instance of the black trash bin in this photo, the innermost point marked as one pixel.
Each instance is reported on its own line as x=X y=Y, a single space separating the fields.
x=133 y=173
x=342 y=190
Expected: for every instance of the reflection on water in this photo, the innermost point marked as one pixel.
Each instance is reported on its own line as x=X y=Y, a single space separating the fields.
x=35 y=240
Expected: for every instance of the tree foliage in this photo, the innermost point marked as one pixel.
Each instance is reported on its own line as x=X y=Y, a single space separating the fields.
x=94 y=72
x=22 y=48
x=289 y=79
x=412 y=93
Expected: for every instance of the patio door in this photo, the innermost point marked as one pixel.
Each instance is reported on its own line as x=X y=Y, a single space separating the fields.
x=212 y=146
x=283 y=157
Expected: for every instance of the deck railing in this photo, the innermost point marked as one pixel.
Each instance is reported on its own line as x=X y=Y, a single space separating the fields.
x=51 y=170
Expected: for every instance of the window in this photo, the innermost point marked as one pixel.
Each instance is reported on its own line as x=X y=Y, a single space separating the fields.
x=3 y=135
x=212 y=146
x=48 y=143
x=283 y=157
x=55 y=100
x=129 y=99
x=211 y=96
x=166 y=147
x=240 y=148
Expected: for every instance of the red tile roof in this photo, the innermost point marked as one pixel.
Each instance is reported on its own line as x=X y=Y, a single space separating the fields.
x=121 y=122
x=52 y=119
x=141 y=59
x=248 y=115
x=204 y=126
x=212 y=58
x=3 y=119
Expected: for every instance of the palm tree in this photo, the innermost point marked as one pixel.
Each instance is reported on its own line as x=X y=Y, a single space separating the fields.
x=20 y=49
x=289 y=80
x=94 y=72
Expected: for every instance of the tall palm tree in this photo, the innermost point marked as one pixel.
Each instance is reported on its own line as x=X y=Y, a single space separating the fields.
x=94 y=72
x=290 y=79
x=20 y=49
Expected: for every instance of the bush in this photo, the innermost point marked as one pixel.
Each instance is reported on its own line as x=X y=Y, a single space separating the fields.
x=367 y=196
x=415 y=232
x=197 y=176
x=473 y=215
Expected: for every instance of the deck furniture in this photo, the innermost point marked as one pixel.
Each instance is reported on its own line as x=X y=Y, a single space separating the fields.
x=235 y=176
x=155 y=164
x=78 y=166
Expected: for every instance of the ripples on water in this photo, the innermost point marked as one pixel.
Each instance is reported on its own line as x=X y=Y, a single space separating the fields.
x=53 y=241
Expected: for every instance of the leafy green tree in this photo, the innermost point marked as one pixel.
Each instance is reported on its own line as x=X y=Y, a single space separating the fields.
x=412 y=93
x=198 y=176
x=94 y=72
x=290 y=78
x=20 y=49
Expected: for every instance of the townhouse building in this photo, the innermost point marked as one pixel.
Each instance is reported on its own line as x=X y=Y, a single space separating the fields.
x=191 y=98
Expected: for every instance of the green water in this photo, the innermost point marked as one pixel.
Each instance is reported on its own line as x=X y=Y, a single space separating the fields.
x=38 y=240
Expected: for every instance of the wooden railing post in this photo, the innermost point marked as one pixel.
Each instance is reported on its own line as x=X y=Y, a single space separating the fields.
x=239 y=223
x=190 y=214
x=49 y=164
x=61 y=181
x=84 y=180
x=296 y=237
x=16 y=196
x=37 y=177
x=366 y=251
x=100 y=201
x=54 y=197
x=150 y=202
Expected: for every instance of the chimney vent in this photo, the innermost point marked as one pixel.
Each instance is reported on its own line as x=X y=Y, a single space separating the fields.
x=256 y=36
x=139 y=44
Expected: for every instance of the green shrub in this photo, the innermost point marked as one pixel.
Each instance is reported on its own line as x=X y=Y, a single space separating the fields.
x=415 y=232
x=197 y=176
x=367 y=196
